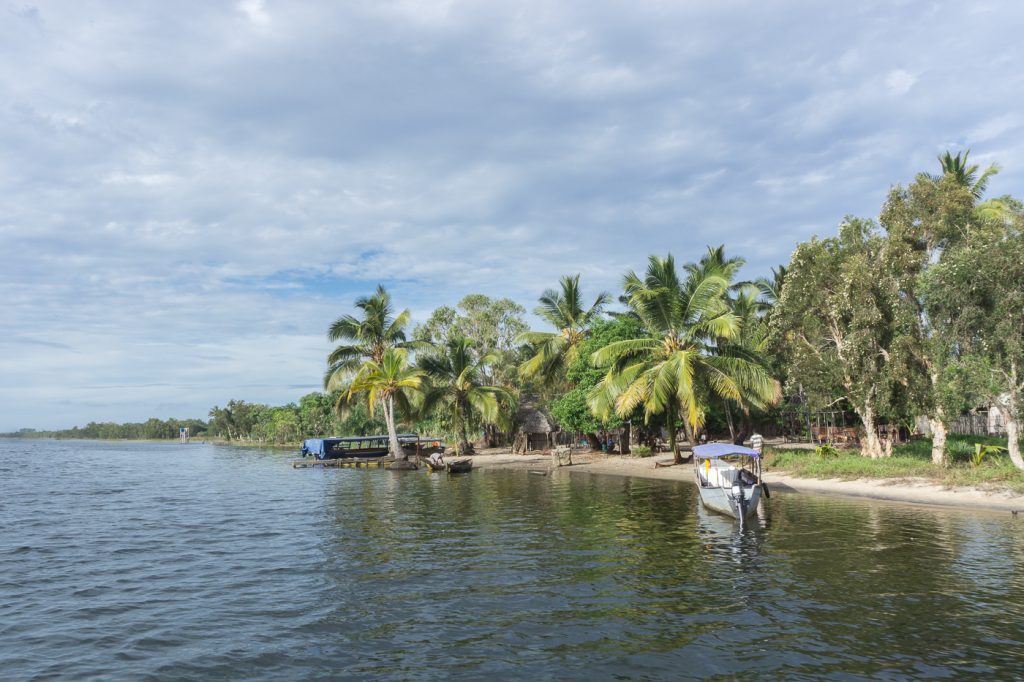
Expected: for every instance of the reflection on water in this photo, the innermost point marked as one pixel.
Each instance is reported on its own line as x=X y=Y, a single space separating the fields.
x=132 y=560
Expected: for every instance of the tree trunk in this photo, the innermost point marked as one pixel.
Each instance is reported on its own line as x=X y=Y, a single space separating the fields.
x=746 y=428
x=938 y=427
x=871 y=447
x=691 y=436
x=1013 y=441
x=624 y=441
x=1009 y=413
x=595 y=442
x=673 y=446
x=728 y=420
x=937 y=423
x=462 y=440
x=389 y=417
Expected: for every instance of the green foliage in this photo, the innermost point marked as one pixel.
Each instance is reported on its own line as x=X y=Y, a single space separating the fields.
x=494 y=325
x=455 y=389
x=641 y=451
x=151 y=429
x=364 y=338
x=826 y=451
x=572 y=411
x=554 y=352
x=688 y=352
x=909 y=460
x=981 y=451
x=359 y=422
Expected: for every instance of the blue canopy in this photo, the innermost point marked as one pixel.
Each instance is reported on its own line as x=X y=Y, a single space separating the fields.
x=713 y=450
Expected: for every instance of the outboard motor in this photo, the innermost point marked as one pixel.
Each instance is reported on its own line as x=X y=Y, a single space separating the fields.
x=741 y=499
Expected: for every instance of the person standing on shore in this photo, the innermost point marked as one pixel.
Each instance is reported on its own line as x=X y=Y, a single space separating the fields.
x=757 y=442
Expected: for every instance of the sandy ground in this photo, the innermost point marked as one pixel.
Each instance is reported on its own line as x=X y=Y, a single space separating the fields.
x=908 y=491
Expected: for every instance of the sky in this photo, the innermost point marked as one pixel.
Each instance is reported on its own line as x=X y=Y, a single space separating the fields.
x=190 y=192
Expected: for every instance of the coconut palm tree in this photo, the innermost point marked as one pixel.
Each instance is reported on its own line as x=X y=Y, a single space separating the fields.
x=555 y=351
x=751 y=344
x=455 y=386
x=389 y=382
x=365 y=337
x=967 y=174
x=678 y=365
x=715 y=262
x=770 y=289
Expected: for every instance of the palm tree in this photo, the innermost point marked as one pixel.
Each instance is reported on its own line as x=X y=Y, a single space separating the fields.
x=967 y=175
x=555 y=351
x=678 y=364
x=715 y=262
x=390 y=383
x=752 y=344
x=366 y=339
x=770 y=289
x=456 y=387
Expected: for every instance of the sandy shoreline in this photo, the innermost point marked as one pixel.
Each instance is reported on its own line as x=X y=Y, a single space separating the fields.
x=914 y=491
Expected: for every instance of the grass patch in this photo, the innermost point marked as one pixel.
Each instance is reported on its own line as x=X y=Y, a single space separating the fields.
x=910 y=460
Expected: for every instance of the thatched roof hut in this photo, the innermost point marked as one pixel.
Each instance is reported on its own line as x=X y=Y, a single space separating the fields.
x=535 y=427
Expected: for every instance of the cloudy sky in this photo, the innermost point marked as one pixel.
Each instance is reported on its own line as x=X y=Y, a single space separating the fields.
x=191 y=191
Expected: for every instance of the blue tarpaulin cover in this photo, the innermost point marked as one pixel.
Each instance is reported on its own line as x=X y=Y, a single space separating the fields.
x=313 y=446
x=713 y=450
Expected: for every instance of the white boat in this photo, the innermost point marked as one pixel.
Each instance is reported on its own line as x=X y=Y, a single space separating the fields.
x=729 y=478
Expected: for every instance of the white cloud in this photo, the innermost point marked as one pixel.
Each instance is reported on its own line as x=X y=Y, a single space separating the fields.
x=255 y=11
x=899 y=81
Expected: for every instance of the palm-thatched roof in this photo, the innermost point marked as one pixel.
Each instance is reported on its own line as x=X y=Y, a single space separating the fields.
x=532 y=419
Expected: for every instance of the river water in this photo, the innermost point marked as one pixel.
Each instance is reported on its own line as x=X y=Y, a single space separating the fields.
x=168 y=561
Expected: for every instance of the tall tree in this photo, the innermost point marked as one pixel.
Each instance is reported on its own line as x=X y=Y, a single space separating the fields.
x=923 y=221
x=493 y=324
x=390 y=383
x=836 y=321
x=366 y=337
x=752 y=343
x=976 y=291
x=455 y=387
x=564 y=310
x=675 y=366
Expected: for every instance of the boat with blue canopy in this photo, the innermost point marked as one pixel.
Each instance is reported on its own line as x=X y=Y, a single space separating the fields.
x=729 y=478
x=367 y=447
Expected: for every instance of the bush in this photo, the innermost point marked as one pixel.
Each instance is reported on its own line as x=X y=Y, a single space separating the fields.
x=980 y=451
x=641 y=451
x=826 y=451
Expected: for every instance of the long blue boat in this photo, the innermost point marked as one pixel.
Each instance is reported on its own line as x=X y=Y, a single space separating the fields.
x=368 y=447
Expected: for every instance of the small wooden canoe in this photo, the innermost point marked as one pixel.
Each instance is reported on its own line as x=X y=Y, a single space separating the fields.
x=460 y=466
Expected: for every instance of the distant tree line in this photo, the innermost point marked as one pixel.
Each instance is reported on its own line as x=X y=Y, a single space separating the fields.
x=151 y=429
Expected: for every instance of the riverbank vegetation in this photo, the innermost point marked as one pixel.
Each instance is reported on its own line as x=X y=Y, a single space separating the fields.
x=992 y=470
x=905 y=322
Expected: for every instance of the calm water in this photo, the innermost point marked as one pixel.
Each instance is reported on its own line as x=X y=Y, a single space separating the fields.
x=147 y=561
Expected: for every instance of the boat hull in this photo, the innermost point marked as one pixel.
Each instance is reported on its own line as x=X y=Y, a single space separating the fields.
x=724 y=502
